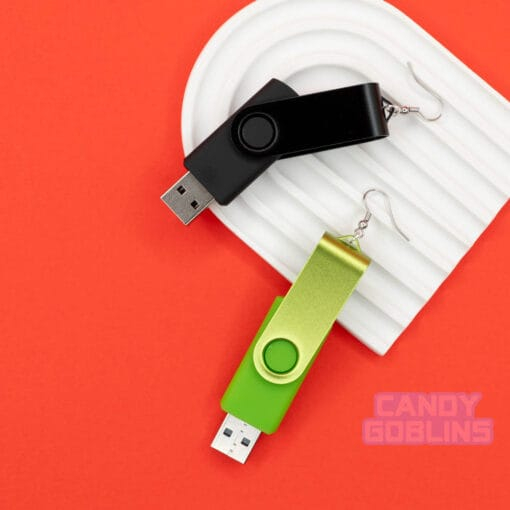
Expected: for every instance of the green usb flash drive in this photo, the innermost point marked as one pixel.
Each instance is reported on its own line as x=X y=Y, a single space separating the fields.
x=287 y=343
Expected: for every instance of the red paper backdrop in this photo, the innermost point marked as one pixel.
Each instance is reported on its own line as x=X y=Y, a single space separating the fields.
x=120 y=328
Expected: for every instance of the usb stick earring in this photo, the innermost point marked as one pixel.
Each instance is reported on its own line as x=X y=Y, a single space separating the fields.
x=290 y=338
x=278 y=123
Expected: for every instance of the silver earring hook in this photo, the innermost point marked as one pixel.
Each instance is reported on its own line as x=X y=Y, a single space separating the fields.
x=394 y=109
x=359 y=233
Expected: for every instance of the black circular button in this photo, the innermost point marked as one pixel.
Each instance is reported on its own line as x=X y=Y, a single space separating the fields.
x=258 y=132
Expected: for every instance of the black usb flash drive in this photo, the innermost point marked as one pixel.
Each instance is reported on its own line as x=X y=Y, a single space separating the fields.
x=275 y=123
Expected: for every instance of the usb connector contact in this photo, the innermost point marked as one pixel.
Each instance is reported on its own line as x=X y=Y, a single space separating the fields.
x=235 y=438
x=187 y=198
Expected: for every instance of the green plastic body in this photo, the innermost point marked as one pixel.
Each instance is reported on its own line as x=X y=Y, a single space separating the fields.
x=254 y=400
x=269 y=377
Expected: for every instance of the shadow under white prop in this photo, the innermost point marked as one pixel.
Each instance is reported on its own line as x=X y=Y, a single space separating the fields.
x=447 y=179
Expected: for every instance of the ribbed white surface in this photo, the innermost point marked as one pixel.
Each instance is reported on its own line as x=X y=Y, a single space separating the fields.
x=447 y=179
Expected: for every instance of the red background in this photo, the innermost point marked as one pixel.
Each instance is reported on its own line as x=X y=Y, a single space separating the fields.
x=120 y=328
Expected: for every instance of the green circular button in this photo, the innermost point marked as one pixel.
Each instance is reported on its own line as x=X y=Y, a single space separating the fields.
x=281 y=356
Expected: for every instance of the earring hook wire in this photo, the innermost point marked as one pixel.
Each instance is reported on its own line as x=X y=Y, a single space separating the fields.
x=394 y=108
x=359 y=233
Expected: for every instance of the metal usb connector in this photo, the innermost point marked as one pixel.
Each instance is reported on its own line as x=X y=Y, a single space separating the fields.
x=187 y=198
x=235 y=438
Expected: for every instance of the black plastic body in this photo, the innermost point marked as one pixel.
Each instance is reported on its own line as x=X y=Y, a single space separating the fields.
x=318 y=122
x=277 y=123
x=218 y=163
